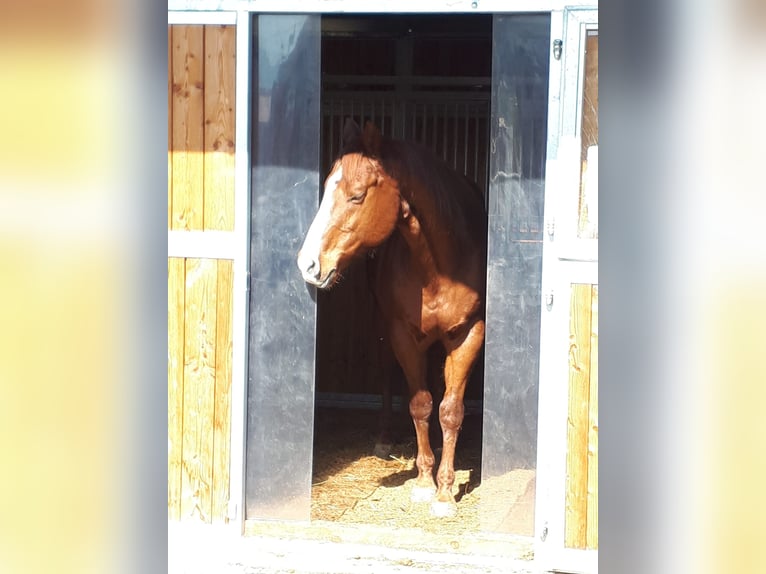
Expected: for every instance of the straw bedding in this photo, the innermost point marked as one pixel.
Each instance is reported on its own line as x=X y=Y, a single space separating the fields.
x=351 y=485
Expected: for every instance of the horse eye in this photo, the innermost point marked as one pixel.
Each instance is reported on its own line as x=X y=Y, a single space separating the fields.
x=358 y=198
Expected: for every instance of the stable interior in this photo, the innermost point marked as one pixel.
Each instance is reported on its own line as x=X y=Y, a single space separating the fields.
x=425 y=78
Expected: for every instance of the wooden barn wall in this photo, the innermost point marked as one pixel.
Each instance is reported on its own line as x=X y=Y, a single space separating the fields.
x=201 y=82
x=581 y=521
x=201 y=127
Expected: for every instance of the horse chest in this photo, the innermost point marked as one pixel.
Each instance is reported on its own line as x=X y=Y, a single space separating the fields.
x=431 y=311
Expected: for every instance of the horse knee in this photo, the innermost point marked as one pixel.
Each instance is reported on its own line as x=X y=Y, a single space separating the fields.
x=451 y=412
x=421 y=405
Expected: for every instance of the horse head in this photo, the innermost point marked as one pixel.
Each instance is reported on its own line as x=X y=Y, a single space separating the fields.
x=359 y=209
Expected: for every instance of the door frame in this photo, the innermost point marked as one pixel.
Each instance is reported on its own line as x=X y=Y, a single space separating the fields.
x=566 y=260
x=240 y=12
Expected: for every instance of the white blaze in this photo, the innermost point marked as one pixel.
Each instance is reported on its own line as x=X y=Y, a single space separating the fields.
x=308 y=258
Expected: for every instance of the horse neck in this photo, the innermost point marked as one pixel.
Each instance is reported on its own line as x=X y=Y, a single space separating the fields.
x=427 y=237
x=432 y=231
x=421 y=248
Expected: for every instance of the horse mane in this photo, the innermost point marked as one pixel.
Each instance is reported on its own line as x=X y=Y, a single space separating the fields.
x=457 y=204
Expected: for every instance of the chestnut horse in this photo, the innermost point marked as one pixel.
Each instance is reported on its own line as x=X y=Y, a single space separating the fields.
x=425 y=227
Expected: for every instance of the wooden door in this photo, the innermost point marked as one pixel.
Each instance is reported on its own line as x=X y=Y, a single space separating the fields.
x=201 y=82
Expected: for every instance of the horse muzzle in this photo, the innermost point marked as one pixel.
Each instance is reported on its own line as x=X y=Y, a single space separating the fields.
x=311 y=271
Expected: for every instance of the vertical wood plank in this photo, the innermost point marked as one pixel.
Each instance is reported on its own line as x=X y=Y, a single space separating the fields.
x=170 y=126
x=176 y=302
x=199 y=388
x=592 y=528
x=577 y=428
x=219 y=127
x=188 y=132
x=587 y=222
x=223 y=372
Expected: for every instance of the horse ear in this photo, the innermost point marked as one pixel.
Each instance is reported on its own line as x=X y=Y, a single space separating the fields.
x=371 y=139
x=351 y=132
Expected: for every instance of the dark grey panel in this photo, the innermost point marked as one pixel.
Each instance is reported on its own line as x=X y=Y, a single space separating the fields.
x=514 y=263
x=285 y=184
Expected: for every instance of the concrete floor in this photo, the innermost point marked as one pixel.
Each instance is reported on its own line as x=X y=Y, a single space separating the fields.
x=197 y=548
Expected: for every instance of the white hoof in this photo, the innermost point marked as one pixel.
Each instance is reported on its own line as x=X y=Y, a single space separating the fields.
x=443 y=509
x=422 y=493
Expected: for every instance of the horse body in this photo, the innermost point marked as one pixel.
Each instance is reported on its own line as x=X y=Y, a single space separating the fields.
x=426 y=227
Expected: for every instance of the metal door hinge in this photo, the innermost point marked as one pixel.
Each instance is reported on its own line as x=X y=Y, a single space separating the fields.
x=549 y=299
x=550 y=227
x=557 y=44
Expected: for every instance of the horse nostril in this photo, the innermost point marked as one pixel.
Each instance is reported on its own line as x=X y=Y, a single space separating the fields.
x=308 y=265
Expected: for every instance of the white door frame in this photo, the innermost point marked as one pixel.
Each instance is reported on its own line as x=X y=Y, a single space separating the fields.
x=566 y=260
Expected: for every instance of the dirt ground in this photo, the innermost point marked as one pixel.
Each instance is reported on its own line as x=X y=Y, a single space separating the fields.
x=352 y=486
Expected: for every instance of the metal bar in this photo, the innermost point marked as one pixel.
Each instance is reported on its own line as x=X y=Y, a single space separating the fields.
x=476 y=147
x=465 y=142
x=433 y=143
x=454 y=138
x=331 y=133
x=241 y=283
x=407 y=81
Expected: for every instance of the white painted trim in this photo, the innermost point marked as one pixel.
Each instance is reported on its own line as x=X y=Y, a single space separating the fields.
x=241 y=273
x=566 y=260
x=381 y=7
x=188 y=18
x=569 y=561
x=203 y=5
x=585 y=250
x=202 y=244
x=548 y=417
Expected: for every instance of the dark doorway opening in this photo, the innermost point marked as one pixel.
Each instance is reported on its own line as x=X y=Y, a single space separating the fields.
x=428 y=79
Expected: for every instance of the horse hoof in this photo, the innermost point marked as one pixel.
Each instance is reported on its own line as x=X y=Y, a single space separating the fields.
x=441 y=509
x=382 y=450
x=422 y=493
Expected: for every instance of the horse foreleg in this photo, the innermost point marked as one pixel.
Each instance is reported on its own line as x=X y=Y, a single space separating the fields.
x=413 y=363
x=461 y=356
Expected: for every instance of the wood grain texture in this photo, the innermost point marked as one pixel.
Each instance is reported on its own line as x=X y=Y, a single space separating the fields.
x=220 y=46
x=201 y=134
x=199 y=388
x=577 y=428
x=587 y=225
x=188 y=133
x=176 y=301
x=223 y=373
x=170 y=127
x=592 y=518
